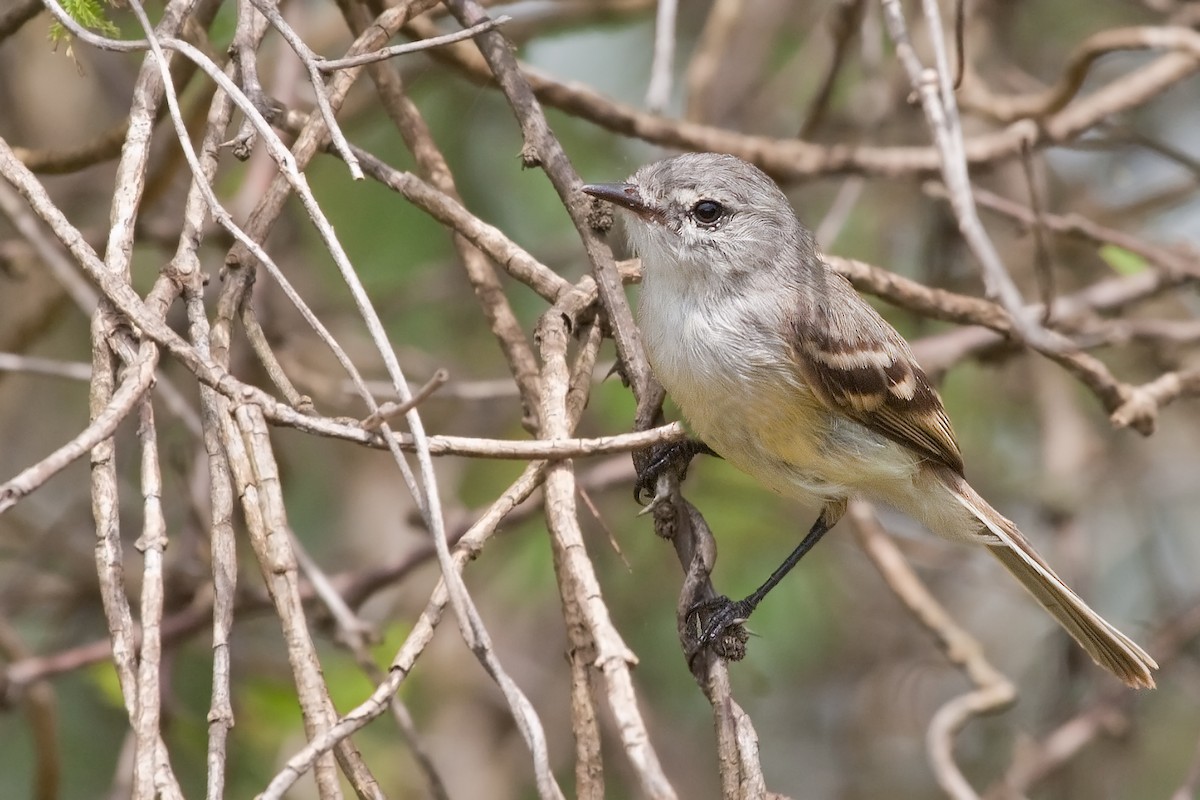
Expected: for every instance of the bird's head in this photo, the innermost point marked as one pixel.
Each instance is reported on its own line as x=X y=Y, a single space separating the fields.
x=706 y=216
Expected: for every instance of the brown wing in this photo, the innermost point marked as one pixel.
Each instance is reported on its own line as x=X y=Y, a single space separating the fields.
x=856 y=363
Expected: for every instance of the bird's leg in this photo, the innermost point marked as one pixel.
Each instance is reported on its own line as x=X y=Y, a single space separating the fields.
x=663 y=458
x=713 y=618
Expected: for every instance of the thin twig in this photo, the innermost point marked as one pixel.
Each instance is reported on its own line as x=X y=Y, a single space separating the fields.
x=213 y=408
x=389 y=409
x=134 y=385
x=793 y=160
x=257 y=338
x=935 y=89
x=709 y=54
x=485 y=281
x=151 y=543
x=845 y=19
x=1043 y=268
x=544 y=150
x=356 y=635
x=588 y=622
x=662 y=66
x=993 y=690
x=52 y=367
x=334 y=64
x=1180 y=42
x=309 y=59
x=839 y=212
x=416 y=642
x=960 y=42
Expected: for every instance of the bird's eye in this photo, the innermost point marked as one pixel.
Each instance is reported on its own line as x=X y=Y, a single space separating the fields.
x=707 y=212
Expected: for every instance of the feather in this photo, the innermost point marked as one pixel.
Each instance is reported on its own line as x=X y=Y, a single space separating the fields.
x=1107 y=646
x=858 y=365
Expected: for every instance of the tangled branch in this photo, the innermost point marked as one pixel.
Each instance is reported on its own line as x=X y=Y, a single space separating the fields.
x=271 y=363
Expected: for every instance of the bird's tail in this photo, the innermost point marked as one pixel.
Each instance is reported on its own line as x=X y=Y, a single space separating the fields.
x=1107 y=646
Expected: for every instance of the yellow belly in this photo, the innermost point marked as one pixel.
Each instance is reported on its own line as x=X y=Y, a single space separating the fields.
x=781 y=434
x=744 y=400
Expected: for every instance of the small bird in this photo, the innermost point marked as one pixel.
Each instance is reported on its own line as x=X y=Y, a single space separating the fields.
x=782 y=369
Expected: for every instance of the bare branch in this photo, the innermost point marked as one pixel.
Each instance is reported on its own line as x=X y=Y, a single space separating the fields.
x=977 y=97
x=333 y=64
x=662 y=67
x=936 y=91
x=134 y=385
x=993 y=691
x=793 y=160
x=257 y=337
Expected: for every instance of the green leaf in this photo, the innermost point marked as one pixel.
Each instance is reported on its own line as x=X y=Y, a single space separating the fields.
x=88 y=13
x=1122 y=260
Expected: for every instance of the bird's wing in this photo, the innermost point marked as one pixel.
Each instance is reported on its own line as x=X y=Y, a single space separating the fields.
x=858 y=365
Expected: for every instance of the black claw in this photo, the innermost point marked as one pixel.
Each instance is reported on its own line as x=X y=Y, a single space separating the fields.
x=661 y=459
x=664 y=458
x=717 y=624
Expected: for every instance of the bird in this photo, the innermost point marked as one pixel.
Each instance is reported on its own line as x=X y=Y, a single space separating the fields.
x=781 y=368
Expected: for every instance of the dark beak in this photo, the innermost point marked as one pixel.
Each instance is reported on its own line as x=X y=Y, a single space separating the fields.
x=626 y=195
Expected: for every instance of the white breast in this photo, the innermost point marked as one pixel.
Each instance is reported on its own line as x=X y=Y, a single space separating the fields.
x=724 y=359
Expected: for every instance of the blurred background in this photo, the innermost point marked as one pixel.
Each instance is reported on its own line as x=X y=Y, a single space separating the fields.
x=840 y=681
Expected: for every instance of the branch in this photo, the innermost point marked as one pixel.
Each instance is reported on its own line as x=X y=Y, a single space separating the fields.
x=790 y=160
x=993 y=690
x=936 y=91
x=334 y=64
x=976 y=96
x=135 y=382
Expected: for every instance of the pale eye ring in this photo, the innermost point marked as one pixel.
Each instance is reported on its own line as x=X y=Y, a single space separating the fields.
x=707 y=212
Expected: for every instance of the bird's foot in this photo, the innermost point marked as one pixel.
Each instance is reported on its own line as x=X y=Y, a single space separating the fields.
x=662 y=459
x=717 y=624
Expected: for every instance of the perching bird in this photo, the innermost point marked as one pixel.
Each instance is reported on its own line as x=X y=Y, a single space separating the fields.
x=782 y=369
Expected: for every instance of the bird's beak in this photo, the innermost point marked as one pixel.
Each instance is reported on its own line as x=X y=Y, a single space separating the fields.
x=626 y=195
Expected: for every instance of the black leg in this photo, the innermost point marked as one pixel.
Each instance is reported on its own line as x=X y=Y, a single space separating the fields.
x=715 y=617
x=664 y=458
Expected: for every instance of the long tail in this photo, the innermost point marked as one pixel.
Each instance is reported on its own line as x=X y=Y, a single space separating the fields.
x=1107 y=646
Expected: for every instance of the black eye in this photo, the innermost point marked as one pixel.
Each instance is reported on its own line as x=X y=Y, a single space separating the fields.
x=707 y=212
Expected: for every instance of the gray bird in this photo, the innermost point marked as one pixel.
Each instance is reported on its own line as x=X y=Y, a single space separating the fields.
x=783 y=370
